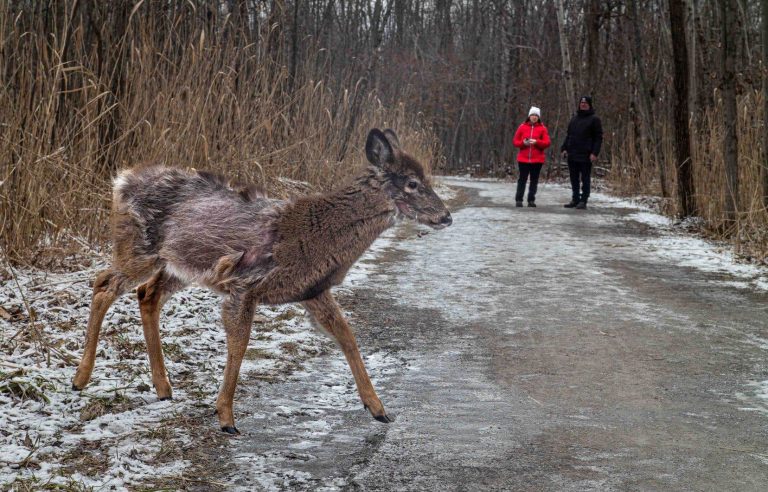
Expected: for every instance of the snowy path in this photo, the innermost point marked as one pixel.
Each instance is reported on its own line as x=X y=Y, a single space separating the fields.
x=520 y=349
x=532 y=349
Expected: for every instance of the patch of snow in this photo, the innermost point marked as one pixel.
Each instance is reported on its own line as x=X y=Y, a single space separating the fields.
x=756 y=397
x=40 y=357
x=651 y=219
x=636 y=203
x=689 y=251
x=707 y=257
x=758 y=342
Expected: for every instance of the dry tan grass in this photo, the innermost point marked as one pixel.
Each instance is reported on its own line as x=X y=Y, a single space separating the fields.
x=70 y=121
x=634 y=172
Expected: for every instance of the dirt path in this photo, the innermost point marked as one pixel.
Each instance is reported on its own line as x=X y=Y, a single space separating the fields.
x=526 y=349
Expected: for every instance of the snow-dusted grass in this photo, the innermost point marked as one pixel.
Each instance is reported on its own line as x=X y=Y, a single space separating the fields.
x=116 y=433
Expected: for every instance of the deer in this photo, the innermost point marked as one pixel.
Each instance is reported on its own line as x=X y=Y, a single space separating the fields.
x=172 y=227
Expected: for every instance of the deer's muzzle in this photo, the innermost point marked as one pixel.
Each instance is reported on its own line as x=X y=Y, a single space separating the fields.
x=442 y=222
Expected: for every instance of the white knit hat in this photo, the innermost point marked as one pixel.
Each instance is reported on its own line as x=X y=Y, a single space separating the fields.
x=534 y=110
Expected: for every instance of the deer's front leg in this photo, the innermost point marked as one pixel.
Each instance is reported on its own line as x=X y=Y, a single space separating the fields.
x=237 y=316
x=327 y=313
x=109 y=285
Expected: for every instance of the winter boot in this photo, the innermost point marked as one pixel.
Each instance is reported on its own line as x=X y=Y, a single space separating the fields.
x=519 y=203
x=581 y=205
x=531 y=204
x=571 y=204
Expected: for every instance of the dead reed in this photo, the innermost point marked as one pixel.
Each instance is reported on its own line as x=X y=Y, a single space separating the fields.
x=77 y=103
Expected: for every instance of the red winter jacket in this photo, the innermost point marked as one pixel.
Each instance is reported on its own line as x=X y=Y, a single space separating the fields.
x=531 y=154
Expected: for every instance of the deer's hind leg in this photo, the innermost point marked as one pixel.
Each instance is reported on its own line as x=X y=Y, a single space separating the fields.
x=152 y=296
x=326 y=312
x=109 y=285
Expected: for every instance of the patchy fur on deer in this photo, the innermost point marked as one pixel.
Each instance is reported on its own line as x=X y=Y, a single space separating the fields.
x=173 y=227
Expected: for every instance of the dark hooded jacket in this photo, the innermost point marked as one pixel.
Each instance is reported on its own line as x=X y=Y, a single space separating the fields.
x=585 y=135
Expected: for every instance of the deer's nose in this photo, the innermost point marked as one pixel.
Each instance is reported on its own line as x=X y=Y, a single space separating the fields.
x=446 y=220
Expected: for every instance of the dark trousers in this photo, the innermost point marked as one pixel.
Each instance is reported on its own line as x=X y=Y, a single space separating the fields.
x=532 y=170
x=580 y=171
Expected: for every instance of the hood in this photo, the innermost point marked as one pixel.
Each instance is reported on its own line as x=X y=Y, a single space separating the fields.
x=585 y=112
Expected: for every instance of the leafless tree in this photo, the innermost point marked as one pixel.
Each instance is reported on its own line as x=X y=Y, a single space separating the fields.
x=685 y=187
x=729 y=11
x=764 y=26
x=565 y=53
x=645 y=97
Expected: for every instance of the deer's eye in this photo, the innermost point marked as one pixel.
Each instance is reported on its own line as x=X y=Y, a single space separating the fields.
x=413 y=185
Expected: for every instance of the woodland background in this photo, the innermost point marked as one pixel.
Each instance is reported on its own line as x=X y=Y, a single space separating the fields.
x=263 y=89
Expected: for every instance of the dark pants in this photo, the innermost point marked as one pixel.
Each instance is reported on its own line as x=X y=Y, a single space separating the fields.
x=580 y=170
x=525 y=170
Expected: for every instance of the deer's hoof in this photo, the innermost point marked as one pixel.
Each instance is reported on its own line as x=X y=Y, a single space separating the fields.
x=163 y=398
x=231 y=430
x=75 y=388
x=381 y=418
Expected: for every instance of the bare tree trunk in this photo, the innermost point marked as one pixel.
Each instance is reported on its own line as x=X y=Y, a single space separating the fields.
x=730 y=142
x=693 y=80
x=741 y=25
x=400 y=22
x=445 y=26
x=567 y=71
x=685 y=187
x=645 y=96
x=593 y=37
x=764 y=26
x=512 y=68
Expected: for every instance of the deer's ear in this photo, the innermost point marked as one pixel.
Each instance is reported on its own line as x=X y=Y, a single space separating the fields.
x=392 y=138
x=377 y=148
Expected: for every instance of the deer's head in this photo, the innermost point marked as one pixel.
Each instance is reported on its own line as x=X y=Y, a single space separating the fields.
x=407 y=183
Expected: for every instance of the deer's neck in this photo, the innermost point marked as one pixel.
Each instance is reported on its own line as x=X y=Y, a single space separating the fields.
x=351 y=217
x=320 y=237
x=361 y=210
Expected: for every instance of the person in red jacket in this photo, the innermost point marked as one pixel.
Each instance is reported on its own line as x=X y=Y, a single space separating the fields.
x=532 y=139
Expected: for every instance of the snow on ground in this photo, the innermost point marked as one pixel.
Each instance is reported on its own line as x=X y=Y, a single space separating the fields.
x=115 y=434
x=687 y=250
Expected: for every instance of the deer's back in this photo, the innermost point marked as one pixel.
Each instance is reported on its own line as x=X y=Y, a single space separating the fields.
x=190 y=220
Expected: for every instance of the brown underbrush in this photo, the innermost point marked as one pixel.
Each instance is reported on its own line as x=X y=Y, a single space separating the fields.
x=635 y=171
x=80 y=100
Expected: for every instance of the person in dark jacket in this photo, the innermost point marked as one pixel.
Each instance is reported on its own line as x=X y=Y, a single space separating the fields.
x=532 y=139
x=581 y=147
